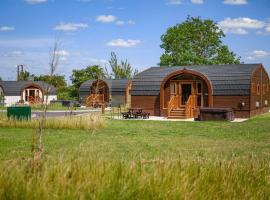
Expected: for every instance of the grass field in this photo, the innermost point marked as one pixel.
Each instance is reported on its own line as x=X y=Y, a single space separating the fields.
x=142 y=160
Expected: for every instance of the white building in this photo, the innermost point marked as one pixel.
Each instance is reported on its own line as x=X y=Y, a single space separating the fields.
x=27 y=92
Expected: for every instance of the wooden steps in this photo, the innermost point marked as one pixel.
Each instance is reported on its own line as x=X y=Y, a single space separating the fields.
x=178 y=113
x=95 y=100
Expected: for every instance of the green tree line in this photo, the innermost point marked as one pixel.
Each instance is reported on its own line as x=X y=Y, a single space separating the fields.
x=119 y=70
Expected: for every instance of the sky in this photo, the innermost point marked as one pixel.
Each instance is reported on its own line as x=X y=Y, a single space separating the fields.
x=89 y=30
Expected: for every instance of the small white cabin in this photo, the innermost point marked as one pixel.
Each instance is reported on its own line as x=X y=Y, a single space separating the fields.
x=27 y=92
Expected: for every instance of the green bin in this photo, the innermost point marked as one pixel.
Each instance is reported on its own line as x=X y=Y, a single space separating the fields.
x=19 y=112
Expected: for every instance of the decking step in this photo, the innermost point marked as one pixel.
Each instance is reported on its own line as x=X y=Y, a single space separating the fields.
x=177 y=114
x=180 y=114
x=176 y=117
x=179 y=109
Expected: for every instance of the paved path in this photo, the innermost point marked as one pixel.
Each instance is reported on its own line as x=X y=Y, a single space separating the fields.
x=155 y=118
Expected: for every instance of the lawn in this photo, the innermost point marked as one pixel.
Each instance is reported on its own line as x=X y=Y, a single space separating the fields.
x=142 y=160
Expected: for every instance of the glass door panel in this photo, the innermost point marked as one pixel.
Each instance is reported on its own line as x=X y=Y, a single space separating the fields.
x=186 y=91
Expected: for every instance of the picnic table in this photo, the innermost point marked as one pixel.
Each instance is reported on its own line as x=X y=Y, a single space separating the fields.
x=135 y=113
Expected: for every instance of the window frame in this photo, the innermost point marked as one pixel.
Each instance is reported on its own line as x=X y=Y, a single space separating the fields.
x=264 y=89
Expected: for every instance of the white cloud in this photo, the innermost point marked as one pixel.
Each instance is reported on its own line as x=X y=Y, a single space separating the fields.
x=197 y=1
x=265 y=31
x=237 y=31
x=256 y=54
x=35 y=1
x=123 y=43
x=239 y=25
x=70 y=26
x=130 y=22
x=7 y=28
x=106 y=18
x=62 y=53
x=242 y=22
x=235 y=2
x=98 y=61
x=174 y=2
x=120 y=22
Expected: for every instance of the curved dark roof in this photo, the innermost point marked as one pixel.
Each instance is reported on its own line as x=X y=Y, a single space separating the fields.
x=116 y=86
x=225 y=79
x=14 y=88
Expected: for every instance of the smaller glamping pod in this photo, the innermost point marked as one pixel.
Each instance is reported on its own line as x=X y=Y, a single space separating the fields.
x=108 y=92
x=28 y=92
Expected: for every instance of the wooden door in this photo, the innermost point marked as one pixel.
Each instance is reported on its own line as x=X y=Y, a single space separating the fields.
x=185 y=90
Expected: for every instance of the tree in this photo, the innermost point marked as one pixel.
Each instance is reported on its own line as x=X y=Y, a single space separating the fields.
x=122 y=70
x=25 y=76
x=195 y=42
x=59 y=83
x=56 y=80
x=82 y=75
x=39 y=133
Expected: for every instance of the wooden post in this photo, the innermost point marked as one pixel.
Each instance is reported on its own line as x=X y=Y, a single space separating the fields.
x=103 y=108
x=119 y=108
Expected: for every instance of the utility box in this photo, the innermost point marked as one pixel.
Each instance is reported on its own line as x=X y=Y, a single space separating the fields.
x=19 y=112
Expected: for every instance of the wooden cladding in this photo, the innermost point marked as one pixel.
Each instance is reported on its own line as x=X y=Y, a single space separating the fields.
x=258 y=89
x=264 y=89
x=253 y=88
x=261 y=94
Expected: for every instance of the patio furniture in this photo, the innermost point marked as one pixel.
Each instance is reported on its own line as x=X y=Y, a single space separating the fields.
x=126 y=115
x=135 y=113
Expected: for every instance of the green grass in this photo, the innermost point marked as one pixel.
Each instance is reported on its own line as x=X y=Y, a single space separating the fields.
x=142 y=160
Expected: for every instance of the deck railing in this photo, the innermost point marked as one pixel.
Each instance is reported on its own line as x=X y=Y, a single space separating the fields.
x=33 y=99
x=190 y=105
x=95 y=100
x=172 y=103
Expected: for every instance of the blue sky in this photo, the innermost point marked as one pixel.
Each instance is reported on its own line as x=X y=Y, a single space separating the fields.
x=90 y=29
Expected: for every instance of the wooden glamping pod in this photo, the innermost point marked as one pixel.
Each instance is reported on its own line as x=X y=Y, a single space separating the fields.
x=108 y=92
x=180 y=92
x=28 y=92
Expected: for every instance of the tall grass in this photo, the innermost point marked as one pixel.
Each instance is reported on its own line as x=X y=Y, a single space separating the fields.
x=51 y=106
x=84 y=122
x=91 y=177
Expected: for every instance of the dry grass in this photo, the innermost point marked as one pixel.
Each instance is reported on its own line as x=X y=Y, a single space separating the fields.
x=84 y=122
